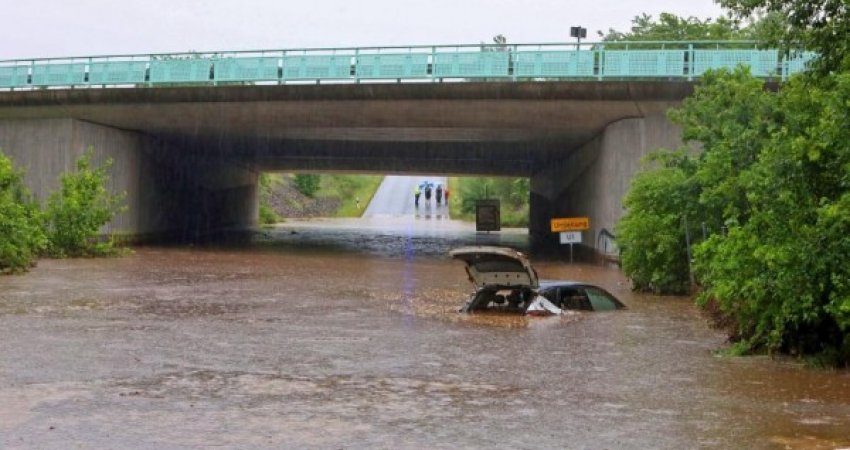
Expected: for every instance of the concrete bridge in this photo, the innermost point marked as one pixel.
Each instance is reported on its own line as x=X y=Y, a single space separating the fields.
x=188 y=155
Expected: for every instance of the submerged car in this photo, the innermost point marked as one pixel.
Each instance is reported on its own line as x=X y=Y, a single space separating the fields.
x=505 y=281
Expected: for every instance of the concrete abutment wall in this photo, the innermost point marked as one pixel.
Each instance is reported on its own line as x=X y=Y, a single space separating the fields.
x=166 y=193
x=592 y=180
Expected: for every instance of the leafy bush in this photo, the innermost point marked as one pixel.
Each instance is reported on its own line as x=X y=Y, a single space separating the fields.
x=21 y=235
x=268 y=216
x=651 y=234
x=76 y=213
x=307 y=184
x=781 y=271
x=774 y=176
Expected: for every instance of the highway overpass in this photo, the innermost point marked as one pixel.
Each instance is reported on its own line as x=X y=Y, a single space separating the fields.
x=188 y=150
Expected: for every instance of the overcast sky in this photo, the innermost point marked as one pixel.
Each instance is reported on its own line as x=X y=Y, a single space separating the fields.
x=44 y=28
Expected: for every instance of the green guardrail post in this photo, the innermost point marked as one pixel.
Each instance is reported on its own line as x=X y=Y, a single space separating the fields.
x=211 y=70
x=433 y=64
x=356 y=65
x=690 y=66
x=785 y=66
x=512 y=62
x=148 y=67
x=282 y=68
x=601 y=58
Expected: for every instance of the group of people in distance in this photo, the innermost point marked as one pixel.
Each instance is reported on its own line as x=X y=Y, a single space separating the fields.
x=439 y=193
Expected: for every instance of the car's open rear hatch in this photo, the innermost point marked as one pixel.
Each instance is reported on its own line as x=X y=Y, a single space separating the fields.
x=496 y=266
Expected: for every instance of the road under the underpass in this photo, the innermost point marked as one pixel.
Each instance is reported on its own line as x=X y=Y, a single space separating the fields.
x=395 y=198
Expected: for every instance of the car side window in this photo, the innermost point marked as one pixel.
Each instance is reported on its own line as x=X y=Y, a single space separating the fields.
x=600 y=300
x=573 y=298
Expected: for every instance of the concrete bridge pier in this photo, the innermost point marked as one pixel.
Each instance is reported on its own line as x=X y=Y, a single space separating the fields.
x=170 y=191
x=591 y=180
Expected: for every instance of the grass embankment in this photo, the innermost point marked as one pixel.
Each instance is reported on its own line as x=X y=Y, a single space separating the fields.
x=353 y=191
x=513 y=194
x=288 y=195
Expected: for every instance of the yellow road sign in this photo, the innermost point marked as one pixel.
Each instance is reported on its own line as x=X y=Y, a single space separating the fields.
x=570 y=224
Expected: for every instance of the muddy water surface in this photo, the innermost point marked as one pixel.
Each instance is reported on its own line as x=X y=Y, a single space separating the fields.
x=325 y=335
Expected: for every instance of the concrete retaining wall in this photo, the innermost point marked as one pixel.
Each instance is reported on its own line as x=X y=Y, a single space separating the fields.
x=594 y=179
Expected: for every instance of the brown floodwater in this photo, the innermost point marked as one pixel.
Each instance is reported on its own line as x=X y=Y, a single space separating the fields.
x=326 y=335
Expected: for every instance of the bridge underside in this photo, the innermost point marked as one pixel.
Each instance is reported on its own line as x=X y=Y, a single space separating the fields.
x=188 y=157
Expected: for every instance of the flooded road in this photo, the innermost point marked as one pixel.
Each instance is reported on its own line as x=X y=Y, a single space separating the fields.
x=326 y=335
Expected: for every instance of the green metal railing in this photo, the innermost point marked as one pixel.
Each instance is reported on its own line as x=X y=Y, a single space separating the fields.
x=587 y=61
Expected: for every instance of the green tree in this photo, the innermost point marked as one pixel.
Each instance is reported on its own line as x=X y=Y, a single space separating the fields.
x=513 y=194
x=21 y=235
x=650 y=234
x=822 y=26
x=730 y=115
x=77 y=211
x=774 y=175
x=774 y=172
x=670 y=27
x=781 y=272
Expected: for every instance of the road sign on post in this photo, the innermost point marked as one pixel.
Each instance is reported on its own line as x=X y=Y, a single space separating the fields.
x=570 y=229
x=570 y=224
x=571 y=237
x=488 y=215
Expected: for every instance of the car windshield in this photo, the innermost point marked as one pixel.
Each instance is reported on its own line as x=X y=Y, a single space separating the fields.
x=600 y=300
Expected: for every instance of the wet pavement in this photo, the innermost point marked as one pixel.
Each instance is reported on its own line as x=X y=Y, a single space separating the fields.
x=394 y=198
x=324 y=334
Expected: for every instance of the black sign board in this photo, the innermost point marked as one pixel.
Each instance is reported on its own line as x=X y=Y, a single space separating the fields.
x=488 y=215
x=578 y=32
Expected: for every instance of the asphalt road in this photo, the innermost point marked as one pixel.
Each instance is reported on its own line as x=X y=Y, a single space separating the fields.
x=395 y=198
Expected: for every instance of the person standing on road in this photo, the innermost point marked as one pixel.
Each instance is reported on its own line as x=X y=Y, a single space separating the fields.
x=439 y=193
x=416 y=194
x=446 y=195
x=428 y=194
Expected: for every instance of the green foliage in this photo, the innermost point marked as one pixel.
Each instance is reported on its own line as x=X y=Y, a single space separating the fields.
x=268 y=215
x=651 y=234
x=670 y=27
x=513 y=194
x=354 y=192
x=781 y=271
x=21 y=235
x=75 y=213
x=774 y=172
x=307 y=184
x=822 y=26
x=731 y=116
